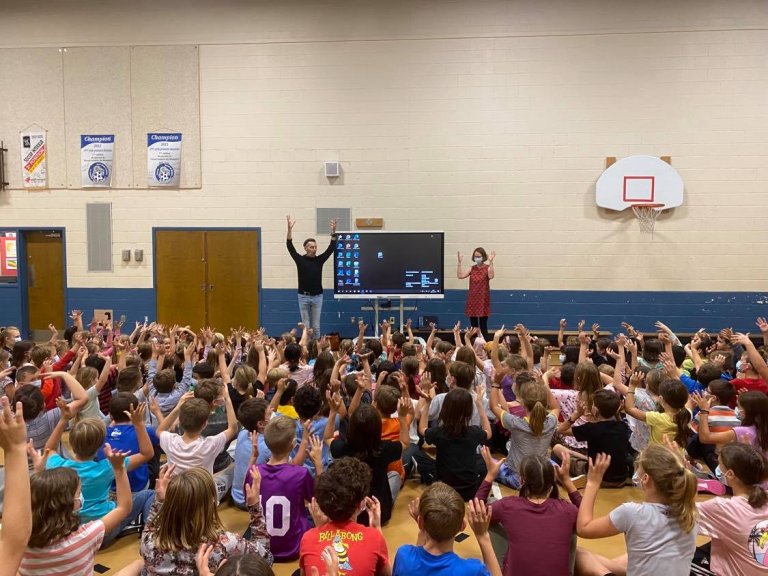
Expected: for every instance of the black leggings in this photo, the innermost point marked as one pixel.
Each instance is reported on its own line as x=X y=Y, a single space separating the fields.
x=482 y=321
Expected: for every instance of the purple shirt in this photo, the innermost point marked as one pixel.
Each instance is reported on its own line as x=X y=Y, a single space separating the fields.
x=284 y=490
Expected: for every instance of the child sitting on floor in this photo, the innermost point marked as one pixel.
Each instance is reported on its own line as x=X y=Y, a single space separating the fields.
x=538 y=525
x=286 y=488
x=341 y=492
x=439 y=513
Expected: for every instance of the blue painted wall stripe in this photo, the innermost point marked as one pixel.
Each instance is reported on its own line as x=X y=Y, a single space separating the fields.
x=537 y=309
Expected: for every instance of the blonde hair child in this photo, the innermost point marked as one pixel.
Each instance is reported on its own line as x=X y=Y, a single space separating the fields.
x=531 y=435
x=660 y=533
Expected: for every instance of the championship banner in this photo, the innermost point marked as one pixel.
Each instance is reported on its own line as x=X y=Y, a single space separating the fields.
x=96 y=155
x=34 y=172
x=163 y=159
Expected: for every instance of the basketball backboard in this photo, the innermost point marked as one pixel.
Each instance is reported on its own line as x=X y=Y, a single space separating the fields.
x=638 y=181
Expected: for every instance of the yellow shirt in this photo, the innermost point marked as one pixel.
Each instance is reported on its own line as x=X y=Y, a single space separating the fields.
x=660 y=423
x=288 y=410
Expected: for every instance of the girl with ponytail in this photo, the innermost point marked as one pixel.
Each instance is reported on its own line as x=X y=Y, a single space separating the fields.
x=529 y=436
x=673 y=420
x=660 y=533
x=737 y=525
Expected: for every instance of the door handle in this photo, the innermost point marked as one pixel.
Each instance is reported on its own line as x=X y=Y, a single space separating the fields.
x=211 y=287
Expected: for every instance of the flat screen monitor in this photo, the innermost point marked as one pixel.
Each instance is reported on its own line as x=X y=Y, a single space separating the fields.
x=388 y=264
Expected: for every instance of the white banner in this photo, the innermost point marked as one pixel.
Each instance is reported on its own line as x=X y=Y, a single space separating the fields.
x=34 y=172
x=163 y=159
x=97 y=152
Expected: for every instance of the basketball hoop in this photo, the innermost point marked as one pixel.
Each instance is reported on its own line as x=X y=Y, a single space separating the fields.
x=647 y=214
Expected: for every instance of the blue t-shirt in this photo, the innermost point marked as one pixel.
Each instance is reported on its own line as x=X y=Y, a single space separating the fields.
x=242 y=457
x=317 y=428
x=96 y=477
x=123 y=437
x=415 y=560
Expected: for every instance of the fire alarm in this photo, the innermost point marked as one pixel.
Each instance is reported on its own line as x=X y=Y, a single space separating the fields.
x=332 y=169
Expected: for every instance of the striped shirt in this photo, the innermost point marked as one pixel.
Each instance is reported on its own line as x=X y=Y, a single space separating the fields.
x=70 y=556
x=721 y=419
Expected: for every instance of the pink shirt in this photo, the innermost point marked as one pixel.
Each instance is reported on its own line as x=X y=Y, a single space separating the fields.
x=70 y=556
x=200 y=453
x=739 y=536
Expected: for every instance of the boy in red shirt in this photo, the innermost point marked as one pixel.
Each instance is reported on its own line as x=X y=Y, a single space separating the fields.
x=340 y=495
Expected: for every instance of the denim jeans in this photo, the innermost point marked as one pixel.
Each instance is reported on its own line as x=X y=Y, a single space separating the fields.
x=142 y=502
x=310 y=308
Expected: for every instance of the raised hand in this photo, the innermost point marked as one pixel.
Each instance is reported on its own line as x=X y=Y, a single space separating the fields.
x=636 y=379
x=762 y=324
x=499 y=334
x=479 y=515
x=373 y=506
x=563 y=472
x=161 y=484
x=13 y=431
x=202 y=559
x=252 y=489
x=291 y=223
x=318 y=516
x=315 y=448
x=595 y=328
x=598 y=467
x=563 y=324
x=459 y=256
x=330 y=560
x=116 y=457
x=492 y=465
x=491 y=256
x=581 y=325
x=703 y=402
x=333 y=227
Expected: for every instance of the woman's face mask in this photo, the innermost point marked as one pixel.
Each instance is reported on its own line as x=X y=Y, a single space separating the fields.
x=562 y=358
x=478 y=259
x=723 y=477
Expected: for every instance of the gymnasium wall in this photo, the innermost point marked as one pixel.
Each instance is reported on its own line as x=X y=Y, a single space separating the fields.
x=490 y=120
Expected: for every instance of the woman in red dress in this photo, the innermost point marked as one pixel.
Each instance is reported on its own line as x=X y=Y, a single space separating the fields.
x=478 y=306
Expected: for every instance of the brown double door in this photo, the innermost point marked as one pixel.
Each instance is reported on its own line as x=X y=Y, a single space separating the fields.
x=207 y=278
x=44 y=270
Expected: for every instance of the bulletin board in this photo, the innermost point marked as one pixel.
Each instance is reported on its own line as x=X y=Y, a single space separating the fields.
x=122 y=90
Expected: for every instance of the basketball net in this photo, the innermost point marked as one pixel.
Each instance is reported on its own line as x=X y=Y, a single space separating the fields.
x=647 y=214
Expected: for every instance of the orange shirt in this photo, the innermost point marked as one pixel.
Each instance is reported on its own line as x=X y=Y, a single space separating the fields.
x=390 y=430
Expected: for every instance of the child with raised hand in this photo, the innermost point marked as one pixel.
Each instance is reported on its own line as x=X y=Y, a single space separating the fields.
x=252 y=416
x=62 y=543
x=456 y=440
x=660 y=533
x=737 y=524
x=340 y=493
x=539 y=525
x=530 y=435
x=96 y=476
x=40 y=423
x=753 y=407
x=439 y=513
x=192 y=449
x=184 y=516
x=17 y=515
x=675 y=419
x=286 y=488
x=122 y=436
x=607 y=434
x=364 y=442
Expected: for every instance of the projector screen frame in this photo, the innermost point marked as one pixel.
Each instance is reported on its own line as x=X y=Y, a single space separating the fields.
x=380 y=296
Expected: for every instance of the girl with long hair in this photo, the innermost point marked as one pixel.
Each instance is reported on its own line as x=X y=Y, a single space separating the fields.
x=185 y=515
x=660 y=532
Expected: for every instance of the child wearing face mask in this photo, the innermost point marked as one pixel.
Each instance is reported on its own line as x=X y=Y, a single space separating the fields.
x=478 y=306
x=60 y=545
